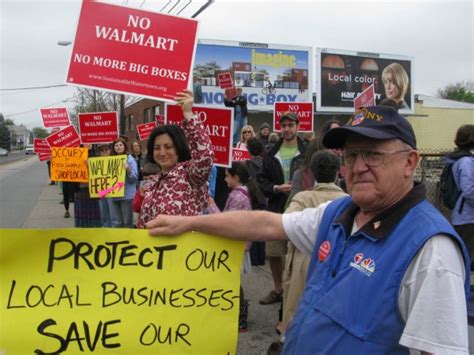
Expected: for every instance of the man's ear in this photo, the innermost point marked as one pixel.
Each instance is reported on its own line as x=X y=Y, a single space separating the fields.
x=413 y=159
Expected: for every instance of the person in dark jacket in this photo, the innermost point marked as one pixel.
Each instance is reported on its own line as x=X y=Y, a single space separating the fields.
x=264 y=134
x=274 y=179
x=239 y=103
x=255 y=148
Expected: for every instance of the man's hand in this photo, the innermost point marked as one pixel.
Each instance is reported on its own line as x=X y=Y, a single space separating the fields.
x=167 y=225
x=185 y=100
x=283 y=188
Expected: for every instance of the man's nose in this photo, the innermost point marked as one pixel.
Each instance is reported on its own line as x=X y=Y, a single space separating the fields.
x=359 y=164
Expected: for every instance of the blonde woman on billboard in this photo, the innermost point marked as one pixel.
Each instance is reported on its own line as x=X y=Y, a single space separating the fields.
x=395 y=81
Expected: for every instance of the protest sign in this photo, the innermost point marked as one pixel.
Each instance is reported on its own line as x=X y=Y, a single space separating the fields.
x=266 y=73
x=219 y=124
x=44 y=156
x=225 y=80
x=145 y=129
x=304 y=111
x=133 y=51
x=77 y=290
x=66 y=137
x=365 y=98
x=160 y=119
x=40 y=145
x=55 y=117
x=69 y=164
x=98 y=127
x=107 y=176
x=240 y=154
x=342 y=75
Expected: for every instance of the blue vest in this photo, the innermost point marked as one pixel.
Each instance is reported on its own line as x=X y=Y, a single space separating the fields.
x=350 y=302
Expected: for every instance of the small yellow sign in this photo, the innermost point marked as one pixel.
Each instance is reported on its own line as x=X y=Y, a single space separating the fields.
x=69 y=164
x=107 y=176
x=117 y=291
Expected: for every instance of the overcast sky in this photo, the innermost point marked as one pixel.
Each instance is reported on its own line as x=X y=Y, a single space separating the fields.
x=437 y=34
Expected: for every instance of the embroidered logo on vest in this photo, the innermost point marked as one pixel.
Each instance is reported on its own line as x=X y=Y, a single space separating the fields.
x=366 y=266
x=358 y=258
x=324 y=250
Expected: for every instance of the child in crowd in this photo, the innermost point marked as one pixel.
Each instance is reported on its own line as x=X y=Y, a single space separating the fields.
x=245 y=195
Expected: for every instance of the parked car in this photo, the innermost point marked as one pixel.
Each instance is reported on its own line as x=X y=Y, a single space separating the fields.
x=29 y=149
x=3 y=152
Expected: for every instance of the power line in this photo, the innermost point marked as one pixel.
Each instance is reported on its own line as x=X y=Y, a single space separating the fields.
x=169 y=1
x=36 y=109
x=203 y=7
x=35 y=87
x=185 y=6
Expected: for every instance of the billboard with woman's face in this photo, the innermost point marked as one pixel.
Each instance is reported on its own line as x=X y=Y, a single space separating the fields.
x=342 y=75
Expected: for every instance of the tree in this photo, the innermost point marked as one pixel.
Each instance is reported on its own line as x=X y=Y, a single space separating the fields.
x=87 y=100
x=9 y=122
x=461 y=91
x=206 y=70
x=5 y=142
x=40 y=132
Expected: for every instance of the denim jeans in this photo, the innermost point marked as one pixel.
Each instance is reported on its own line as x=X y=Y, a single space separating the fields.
x=105 y=205
x=122 y=215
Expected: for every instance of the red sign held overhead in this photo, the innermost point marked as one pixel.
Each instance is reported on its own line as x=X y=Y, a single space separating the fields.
x=240 y=155
x=41 y=146
x=66 y=137
x=98 y=127
x=304 y=111
x=365 y=98
x=219 y=125
x=132 y=51
x=55 y=117
x=225 y=80
x=145 y=129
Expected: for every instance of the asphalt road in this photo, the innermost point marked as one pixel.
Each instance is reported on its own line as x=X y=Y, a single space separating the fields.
x=21 y=182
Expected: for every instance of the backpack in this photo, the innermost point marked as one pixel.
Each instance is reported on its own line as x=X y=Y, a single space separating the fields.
x=449 y=190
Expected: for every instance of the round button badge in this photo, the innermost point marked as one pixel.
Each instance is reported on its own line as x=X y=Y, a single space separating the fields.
x=324 y=250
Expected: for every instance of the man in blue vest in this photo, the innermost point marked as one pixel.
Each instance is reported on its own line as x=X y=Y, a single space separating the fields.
x=387 y=272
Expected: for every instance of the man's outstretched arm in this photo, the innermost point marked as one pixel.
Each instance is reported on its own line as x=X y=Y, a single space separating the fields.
x=242 y=225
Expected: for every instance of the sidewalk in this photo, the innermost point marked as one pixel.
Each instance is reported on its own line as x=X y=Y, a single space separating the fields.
x=48 y=213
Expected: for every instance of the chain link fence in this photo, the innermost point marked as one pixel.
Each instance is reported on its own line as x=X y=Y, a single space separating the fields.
x=429 y=171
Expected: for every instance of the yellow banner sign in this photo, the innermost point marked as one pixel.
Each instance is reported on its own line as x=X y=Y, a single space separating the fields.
x=107 y=176
x=69 y=164
x=117 y=291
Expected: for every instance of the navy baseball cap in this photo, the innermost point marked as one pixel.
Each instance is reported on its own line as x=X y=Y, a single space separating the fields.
x=376 y=122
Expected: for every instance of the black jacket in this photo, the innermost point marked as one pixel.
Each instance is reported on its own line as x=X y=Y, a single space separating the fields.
x=271 y=174
x=238 y=101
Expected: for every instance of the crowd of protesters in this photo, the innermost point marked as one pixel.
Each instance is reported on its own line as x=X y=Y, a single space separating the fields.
x=286 y=174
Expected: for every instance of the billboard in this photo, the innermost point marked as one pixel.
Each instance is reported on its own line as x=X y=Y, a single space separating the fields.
x=342 y=75
x=267 y=73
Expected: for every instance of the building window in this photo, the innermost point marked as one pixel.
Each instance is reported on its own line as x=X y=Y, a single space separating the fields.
x=157 y=110
x=147 y=113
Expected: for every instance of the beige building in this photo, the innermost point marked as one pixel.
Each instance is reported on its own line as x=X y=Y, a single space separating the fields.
x=436 y=121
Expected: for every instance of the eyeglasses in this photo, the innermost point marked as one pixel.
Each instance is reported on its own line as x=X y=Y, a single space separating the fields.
x=246 y=132
x=371 y=158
